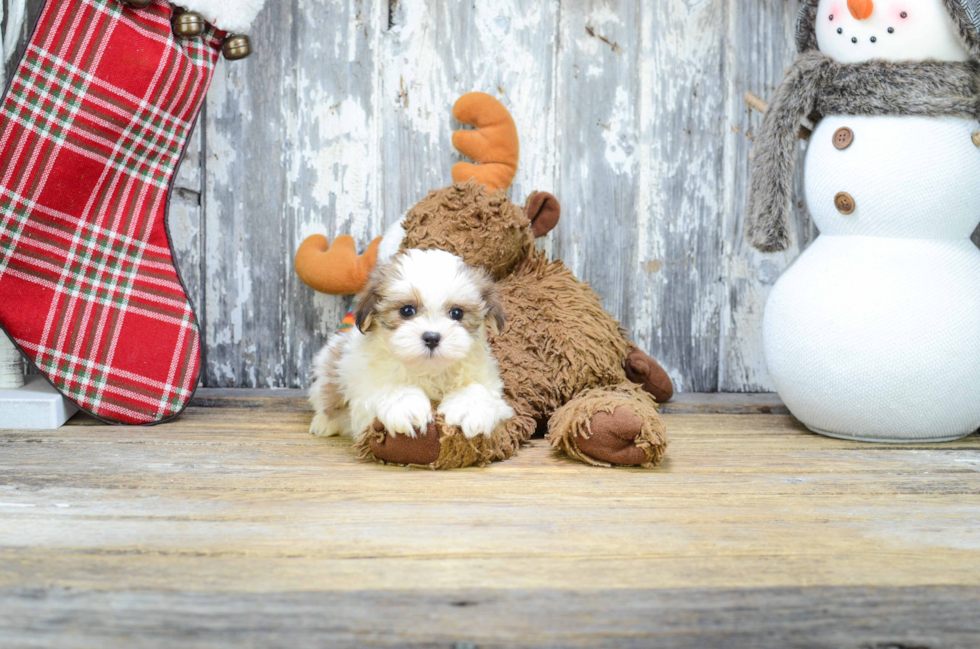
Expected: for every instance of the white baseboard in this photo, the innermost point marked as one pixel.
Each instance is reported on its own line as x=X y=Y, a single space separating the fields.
x=36 y=406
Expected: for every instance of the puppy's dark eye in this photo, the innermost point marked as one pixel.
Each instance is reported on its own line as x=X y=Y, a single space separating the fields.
x=407 y=311
x=456 y=313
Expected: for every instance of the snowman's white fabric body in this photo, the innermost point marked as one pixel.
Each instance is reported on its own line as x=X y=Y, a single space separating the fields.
x=874 y=332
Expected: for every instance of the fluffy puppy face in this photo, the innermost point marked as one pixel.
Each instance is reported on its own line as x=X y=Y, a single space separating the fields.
x=429 y=307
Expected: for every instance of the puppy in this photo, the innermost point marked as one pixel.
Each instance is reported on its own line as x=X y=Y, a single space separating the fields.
x=420 y=339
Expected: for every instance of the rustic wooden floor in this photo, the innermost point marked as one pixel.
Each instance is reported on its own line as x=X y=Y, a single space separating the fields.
x=233 y=527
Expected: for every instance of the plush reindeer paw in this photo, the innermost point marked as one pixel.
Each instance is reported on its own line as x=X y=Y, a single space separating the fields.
x=610 y=426
x=439 y=446
x=422 y=449
x=612 y=438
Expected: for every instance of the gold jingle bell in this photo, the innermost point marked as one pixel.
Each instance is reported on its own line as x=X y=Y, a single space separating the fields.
x=236 y=47
x=188 y=24
x=139 y=4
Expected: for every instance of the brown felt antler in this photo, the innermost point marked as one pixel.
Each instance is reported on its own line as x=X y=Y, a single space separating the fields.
x=336 y=269
x=494 y=145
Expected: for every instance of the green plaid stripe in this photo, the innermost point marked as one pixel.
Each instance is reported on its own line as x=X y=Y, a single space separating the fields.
x=104 y=251
x=14 y=211
x=150 y=389
x=149 y=151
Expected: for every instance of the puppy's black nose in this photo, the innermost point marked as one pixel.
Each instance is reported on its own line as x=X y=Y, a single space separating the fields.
x=431 y=339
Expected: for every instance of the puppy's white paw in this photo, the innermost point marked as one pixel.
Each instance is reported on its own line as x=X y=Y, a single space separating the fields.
x=324 y=427
x=405 y=412
x=475 y=410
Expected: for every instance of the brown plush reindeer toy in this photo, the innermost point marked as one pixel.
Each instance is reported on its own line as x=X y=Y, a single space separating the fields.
x=564 y=361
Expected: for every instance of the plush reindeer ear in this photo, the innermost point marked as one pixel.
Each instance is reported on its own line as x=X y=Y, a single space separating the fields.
x=543 y=210
x=367 y=306
x=496 y=316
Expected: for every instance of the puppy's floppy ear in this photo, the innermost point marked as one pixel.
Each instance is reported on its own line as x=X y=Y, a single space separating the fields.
x=367 y=305
x=543 y=210
x=496 y=316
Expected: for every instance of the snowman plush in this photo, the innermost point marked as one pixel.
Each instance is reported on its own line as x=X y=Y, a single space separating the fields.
x=873 y=333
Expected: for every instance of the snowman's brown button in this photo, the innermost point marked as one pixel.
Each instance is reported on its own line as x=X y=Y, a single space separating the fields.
x=843 y=138
x=844 y=203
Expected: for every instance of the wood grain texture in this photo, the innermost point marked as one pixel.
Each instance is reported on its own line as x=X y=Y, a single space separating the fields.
x=688 y=403
x=185 y=221
x=630 y=111
x=761 y=44
x=18 y=47
x=777 y=618
x=676 y=283
x=435 y=51
x=599 y=77
x=233 y=525
x=293 y=148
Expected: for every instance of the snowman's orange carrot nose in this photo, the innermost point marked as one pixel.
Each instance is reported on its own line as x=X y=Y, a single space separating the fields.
x=861 y=9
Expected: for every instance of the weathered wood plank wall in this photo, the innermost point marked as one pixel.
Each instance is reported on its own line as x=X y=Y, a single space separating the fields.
x=630 y=111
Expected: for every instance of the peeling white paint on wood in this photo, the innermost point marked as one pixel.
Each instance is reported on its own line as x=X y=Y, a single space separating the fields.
x=630 y=111
x=760 y=44
x=11 y=365
x=186 y=213
x=437 y=50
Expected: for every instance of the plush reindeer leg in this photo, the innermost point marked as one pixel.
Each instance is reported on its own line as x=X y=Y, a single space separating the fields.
x=611 y=425
x=443 y=446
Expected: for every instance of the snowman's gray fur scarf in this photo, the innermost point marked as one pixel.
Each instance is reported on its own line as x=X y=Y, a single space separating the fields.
x=816 y=85
x=966 y=23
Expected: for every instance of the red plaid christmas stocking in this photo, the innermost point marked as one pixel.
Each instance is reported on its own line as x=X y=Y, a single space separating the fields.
x=92 y=128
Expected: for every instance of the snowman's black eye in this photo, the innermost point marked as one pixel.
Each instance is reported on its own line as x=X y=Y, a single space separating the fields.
x=905 y=14
x=840 y=30
x=891 y=30
x=831 y=16
x=854 y=40
x=874 y=39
